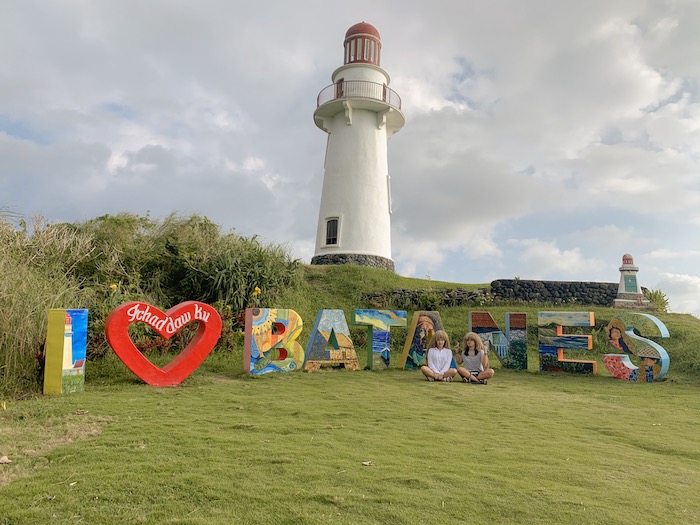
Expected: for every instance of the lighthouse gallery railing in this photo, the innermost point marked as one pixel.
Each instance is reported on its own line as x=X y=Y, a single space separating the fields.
x=359 y=89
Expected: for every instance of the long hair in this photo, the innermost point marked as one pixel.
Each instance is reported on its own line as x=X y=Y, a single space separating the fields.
x=478 y=343
x=440 y=334
x=623 y=343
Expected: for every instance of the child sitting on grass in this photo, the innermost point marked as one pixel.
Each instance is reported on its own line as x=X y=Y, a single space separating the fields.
x=476 y=362
x=440 y=364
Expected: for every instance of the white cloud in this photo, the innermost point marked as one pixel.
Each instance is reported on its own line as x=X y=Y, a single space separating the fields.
x=429 y=254
x=544 y=259
x=683 y=292
x=540 y=141
x=664 y=253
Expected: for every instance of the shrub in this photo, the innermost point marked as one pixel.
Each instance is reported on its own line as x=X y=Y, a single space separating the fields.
x=658 y=299
x=177 y=259
x=239 y=272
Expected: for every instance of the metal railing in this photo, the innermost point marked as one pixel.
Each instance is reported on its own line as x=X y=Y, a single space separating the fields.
x=359 y=89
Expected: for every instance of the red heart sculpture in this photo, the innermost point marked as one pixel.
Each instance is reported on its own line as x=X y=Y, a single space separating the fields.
x=166 y=324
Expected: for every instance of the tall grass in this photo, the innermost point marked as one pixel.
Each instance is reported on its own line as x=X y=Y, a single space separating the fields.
x=34 y=277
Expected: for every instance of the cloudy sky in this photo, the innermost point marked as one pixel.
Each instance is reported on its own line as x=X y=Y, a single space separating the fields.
x=543 y=139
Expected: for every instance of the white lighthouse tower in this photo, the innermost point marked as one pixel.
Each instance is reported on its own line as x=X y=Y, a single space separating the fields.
x=359 y=112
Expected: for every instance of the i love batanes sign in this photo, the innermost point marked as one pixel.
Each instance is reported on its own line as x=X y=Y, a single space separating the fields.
x=271 y=340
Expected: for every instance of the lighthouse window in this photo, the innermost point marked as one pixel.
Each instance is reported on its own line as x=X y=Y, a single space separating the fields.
x=366 y=49
x=332 y=231
x=352 y=51
x=339 y=88
x=372 y=59
x=359 y=49
x=347 y=52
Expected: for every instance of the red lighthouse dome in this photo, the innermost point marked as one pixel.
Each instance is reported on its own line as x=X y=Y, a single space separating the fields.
x=363 y=28
x=362 y=44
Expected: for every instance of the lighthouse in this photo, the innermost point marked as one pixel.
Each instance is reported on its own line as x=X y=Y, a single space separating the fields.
x=359 y=112
x=629 y=293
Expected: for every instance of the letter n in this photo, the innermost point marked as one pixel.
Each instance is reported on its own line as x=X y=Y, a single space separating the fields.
x=511 y=347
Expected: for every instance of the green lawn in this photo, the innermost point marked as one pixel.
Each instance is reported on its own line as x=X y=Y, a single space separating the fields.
x=291 y=448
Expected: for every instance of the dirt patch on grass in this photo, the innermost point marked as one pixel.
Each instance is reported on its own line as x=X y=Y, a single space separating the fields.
x=27 y=444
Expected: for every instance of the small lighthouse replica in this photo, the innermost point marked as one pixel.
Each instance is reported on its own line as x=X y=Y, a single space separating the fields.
x=359 y=112
x=629 y=293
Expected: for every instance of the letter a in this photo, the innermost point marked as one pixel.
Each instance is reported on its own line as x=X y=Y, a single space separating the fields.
x=330 y=329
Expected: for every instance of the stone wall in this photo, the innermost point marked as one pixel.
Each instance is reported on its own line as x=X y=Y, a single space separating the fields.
x=427 y=299
x=599 y=294
x=557 y=292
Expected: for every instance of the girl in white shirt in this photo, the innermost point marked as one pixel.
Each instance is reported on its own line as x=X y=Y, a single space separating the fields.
x=476 y=362
x=440 y=363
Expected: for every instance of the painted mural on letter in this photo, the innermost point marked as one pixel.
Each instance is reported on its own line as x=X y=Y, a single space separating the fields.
x=553 y=342
x=64 y=358
x=511 y=346
x=423 y=324
x=379 y=323
x=270 y=341
x=622 y=337
x=330 y=342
